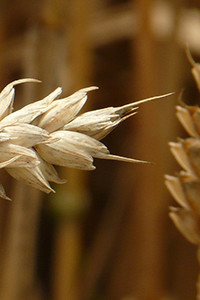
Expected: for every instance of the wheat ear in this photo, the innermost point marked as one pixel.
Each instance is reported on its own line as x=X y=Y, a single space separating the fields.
x=185 y=186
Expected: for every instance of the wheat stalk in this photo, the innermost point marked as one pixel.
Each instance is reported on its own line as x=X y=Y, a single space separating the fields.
x=185 y=186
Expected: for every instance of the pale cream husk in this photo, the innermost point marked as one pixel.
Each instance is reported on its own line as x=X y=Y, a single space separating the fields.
x=50 y=132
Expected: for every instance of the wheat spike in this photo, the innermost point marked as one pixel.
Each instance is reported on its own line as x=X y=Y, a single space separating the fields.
x=185 y=186
x=49 y=132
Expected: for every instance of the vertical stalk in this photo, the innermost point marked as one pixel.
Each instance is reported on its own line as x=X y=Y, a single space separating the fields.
x=68 y=231
x=149 y=260
x=19 y=251
x=198 y=279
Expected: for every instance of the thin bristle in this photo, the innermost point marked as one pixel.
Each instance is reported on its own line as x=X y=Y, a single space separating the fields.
x=125 y=159
x=153 y=98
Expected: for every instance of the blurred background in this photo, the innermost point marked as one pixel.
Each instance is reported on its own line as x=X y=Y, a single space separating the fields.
x=105 y=235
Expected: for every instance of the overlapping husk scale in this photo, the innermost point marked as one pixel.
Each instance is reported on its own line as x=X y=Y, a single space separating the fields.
x=185 y=185
x=50 y=132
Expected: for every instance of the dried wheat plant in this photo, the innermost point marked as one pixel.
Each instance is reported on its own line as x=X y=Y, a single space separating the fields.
x=49 y=132
x=185 y=186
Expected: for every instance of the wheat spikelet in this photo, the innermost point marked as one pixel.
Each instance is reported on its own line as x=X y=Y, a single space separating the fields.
x=49 y=132
x=185 y=186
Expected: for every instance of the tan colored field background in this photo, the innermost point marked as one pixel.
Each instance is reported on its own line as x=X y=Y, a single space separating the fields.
x=105 y=235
